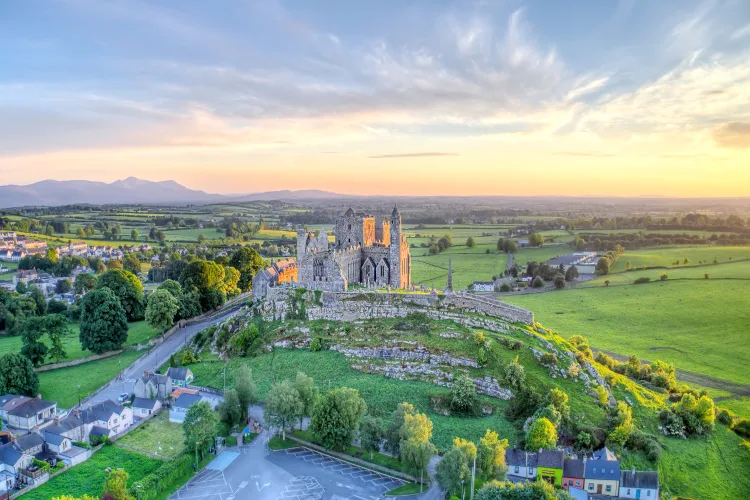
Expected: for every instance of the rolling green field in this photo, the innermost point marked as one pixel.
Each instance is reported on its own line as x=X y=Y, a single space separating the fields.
x=138 y=333
x=542 y=254
x=700 y=326
x=666 y=256
x=61 y=385
x=158 y=437
x=88 y=478
x=191 y=235
x=732 y=270
x=12 y=266
x=468 y=265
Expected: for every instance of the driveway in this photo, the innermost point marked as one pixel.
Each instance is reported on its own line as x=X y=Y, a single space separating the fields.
x=156 y=357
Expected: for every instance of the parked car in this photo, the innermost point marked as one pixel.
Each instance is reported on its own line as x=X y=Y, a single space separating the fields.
x=123 y=397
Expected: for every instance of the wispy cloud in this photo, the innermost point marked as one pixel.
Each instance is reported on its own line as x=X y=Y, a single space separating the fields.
x=733 y=135
x=412 y=155
x=592 y=154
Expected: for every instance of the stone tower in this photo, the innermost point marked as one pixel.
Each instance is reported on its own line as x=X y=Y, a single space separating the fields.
x=394 y=254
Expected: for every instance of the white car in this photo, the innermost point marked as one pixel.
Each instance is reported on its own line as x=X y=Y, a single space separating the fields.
x=123 y=397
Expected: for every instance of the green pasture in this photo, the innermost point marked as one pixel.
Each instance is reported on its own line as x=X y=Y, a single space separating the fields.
x=728 y=270
x=12 y=266
x=700 y=326
x=667 y=256
x=191 y=235
x=540 y=254
x=158 y=438
x=468 y=265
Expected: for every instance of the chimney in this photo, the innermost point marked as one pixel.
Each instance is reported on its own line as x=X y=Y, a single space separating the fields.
x=633 y=471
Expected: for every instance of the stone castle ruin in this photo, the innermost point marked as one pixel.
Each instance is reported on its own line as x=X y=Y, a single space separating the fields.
x=367 y=250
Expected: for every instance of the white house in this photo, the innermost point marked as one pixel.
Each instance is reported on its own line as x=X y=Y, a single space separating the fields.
x=182 y=405
x=107 y=418
x=144 y=407
x=153 y=386
x=521 y=463
x=483 y=286
x=31 y=413
x=57 y=443
x=639 y=484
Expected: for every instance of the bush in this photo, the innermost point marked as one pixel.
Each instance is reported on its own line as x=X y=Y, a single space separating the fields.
x=505 y=287
x=725 y=416
x=653 y=451
x=559 y=281
x=538 y=282
x=642 y=280
x=548 y=359
x=479 y=338
x=316 y=344
x=742 y=427
x=663 y=277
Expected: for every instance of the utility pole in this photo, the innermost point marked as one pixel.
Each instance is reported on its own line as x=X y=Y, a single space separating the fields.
x=196 y=456
x=473 y=473
x=225 y=378
x=79 y=395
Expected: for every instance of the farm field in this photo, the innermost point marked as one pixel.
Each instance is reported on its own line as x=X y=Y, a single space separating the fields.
x=158 y=438
x=12 y=266
x=730 y=270
x=61 y=385
x=542 y=254
x=191 y=235
x=138 y=333
x=700 y=326
x=88 y=478
x=468 y=265
x=666 y=256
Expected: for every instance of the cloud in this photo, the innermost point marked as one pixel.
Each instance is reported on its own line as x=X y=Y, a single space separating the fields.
x=592 y=154
x=741 y=32
x=586 y=88
x=733 y=135
x=412 y=155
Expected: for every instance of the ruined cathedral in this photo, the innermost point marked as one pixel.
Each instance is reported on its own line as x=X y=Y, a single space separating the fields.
x=366 y=251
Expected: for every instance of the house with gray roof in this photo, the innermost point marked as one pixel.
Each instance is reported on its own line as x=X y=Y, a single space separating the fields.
x=639 y=484
x=144 y=407
x=602 y=473
x=573 y=473
x=180 y=376
x=57 y=443
x=521 y=463
x=107 y=418
x=9 y=402
x=153 y=386
x=181 y=406
x=31 y=413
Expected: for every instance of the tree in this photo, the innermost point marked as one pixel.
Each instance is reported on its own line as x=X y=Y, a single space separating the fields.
x=515 y=375
x=81 y=233
x=463 y=394
x=393 y=432
x=415 y=447
x=248 y=262
x=229 y=409
x=63 y=286
x=336 y=417
x=17 y=375
x=510 y=246
x=39 y=300
x=116 y=485
x=131 y=263
x=246 y=389
x=602 y=266
x=538 y=282
x=536 y=240
x=283 y=406
x=501 y=244
x=451 y=470
x=31 y=331
x=199 y=426
x=371 y=434
x=571 y=273
x=172 y=287
x=104 y=324
x=206 y=278
x=541 y=435
x=83 y=283
x=56 y=307
x=127 y=288
x=539 y=490
x=134 y=234
x=161 y=309
x=229 y=283
x=21 y=287
x=559 y=281
x=491 y=455
x=470 y=243
x=113 y=264
x=308 y=394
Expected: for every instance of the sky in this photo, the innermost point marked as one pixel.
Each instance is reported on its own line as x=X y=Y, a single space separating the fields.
x=389 y=97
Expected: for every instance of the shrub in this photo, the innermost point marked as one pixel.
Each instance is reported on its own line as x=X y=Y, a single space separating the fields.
x=538 y=282
x=742 y=427
x=725 y=416
x=548 y=359
x=653 y=450
x=642 y=280
x=663 y=277
x=315 y=344
x=559 y=281
x=505 y=287
x=479 y=338
x=162 y=479
x=463 y=395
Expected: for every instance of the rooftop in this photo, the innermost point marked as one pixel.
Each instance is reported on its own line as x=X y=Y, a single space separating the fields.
x=647 y=479
x=551 y=458
x=185 y=400
x=30 y=407
x=521 y=458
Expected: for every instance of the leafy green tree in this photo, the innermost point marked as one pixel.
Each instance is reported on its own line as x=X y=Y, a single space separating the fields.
x=491 y=455
x=559 y=281
x=501 y=244
x=538 y=282
x=539 y=490
x=229 y=409
x=172 y=287
x=308 y=394
x=134 y=234
x=602 y=267
x=131 y=263
x=56 y=307
x=81 y=233
x=393 y=432
x=39 y=300
x=371 y=434
x=541 y=435
x=536 y=240
x=451 y=470
x=206 y=278
x=336 y=417
x=283 y=406
x=31 y=331
x=116 y=485
x=470 y=243
x=415 y=447
x=248 y=262
x=83 y=283
x=104 y=324
x=127 y=288
x=161 y=309
x=199 y=427
x=113 y=264
x=510 y=246
x=515 y=375
x=246 y=389
x=21 y=287
x=17 y=375
x=463 y=394
x=229 y=283
x=63 y=286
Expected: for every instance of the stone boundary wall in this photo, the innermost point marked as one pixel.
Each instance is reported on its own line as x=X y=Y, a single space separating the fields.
x=79 y=361
x=349 y=306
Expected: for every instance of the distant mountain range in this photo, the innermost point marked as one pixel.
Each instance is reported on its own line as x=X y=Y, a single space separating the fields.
x=130 y=191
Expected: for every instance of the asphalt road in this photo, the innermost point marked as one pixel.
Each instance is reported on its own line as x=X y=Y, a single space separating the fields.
x=156 y=357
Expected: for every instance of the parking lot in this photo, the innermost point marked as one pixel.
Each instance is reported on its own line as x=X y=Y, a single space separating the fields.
x=254 y=472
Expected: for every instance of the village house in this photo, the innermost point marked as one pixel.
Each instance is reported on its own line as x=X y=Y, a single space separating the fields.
x=180 y=376
x=144 y=407
x=181 y=406
x=13 y=463
x=482 y=286
x=153 y=386
x=31 y=413
x=550 y=466
x=56 y=443
x=25 y=276
x=521 y=463
x=639 y=484
x=573 y=473
x=602 y=473
x=107 y=418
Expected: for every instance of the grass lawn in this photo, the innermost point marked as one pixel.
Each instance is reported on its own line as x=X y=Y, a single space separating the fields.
x=468 y=264
x=158 y=437
x=61 y=385
x=729 y=270
x=139 y=332
x=276 y=443
x=541 y=254
x=357 y=452
x=666 y=256
x=12 y=266
x=406 y=489
x=700 y=326
x=88 y=478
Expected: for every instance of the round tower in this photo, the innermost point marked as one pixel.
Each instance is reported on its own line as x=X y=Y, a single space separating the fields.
x=394 y=252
